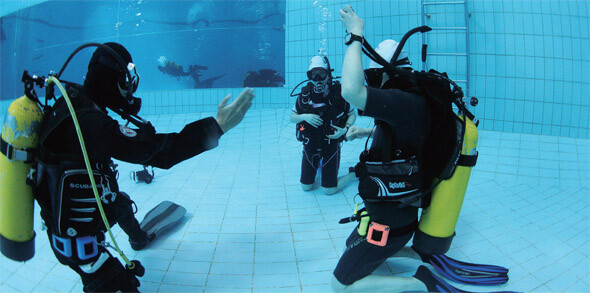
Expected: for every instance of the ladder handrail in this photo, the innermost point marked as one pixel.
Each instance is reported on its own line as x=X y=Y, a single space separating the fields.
x=424 y=63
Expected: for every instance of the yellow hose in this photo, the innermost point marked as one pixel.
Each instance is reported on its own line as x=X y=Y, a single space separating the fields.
x=54 y=80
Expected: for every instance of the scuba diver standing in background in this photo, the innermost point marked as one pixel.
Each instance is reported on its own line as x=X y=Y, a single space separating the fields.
x=322 y=119
x=63 y=190
x=420 y=157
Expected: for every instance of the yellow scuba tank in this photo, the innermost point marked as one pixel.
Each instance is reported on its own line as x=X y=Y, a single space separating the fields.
x=438 y=221
x=20 y=134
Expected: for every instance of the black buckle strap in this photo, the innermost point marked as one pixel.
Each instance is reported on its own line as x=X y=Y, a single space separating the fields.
x=468 y=160
x=13 y=153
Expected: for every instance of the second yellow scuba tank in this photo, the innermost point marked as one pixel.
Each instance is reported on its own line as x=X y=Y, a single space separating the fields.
x=20 y=134
x=437 y=223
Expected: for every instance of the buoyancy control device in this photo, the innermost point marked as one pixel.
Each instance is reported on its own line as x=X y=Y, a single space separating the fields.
x=332 y=109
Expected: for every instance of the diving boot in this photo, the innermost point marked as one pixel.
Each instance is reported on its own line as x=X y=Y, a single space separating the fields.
x=140 y=242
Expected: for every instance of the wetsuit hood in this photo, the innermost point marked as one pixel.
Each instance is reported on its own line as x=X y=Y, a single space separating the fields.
x=107 y=77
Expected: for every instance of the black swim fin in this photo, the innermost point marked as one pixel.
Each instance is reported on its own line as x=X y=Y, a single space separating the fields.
x=436 y=284
x=466 y=273
x=162 y=217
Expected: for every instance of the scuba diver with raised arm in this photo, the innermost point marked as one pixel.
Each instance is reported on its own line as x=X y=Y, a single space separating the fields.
x=64 y=191
x=420 y=157
x=322 y=119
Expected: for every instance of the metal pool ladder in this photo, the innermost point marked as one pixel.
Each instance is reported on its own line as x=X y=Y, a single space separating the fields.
x=430 y=7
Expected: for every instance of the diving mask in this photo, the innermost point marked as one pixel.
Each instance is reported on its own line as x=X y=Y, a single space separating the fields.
x=317 y=74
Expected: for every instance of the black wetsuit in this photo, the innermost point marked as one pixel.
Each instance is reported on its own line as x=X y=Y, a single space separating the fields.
x=59 y=153
x=318 y=149
x=407 y=114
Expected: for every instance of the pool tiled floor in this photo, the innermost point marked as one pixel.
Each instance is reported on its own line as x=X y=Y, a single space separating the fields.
x=250 y=228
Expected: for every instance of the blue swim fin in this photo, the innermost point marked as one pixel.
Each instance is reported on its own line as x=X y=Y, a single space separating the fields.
x=466 y=273
x=436 y=284
x=469 y=273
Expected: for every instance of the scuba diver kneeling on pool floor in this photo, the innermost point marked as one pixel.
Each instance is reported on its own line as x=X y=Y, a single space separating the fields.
x=420 y=157
x=73 y=177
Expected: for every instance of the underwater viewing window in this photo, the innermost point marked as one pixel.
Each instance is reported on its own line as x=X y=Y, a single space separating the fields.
x=175 y=44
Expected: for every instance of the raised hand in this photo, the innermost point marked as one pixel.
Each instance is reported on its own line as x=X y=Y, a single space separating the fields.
x=353 y=23
x=228 y=116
